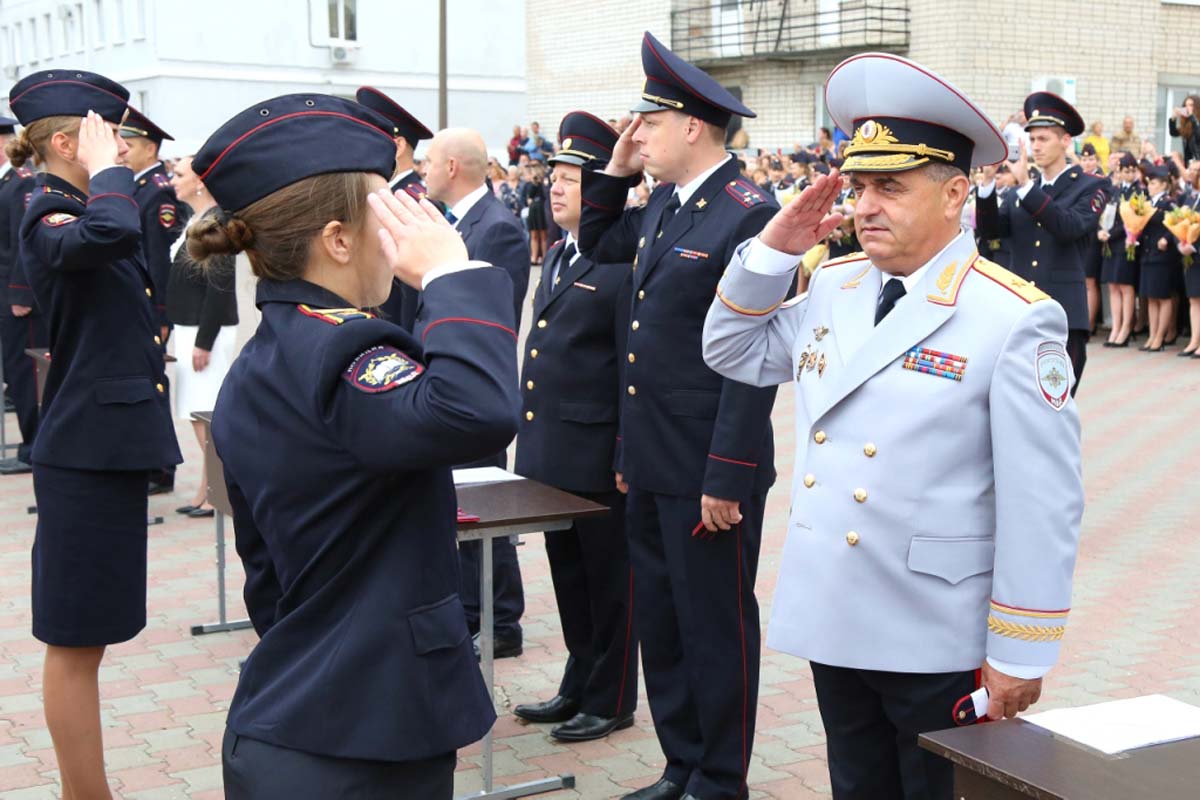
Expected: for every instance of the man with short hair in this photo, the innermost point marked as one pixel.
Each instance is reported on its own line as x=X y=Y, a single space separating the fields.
x=164 y=218
x=407 y=131
x=937 y=497
x=456 y=170
x=1126 y=139
x=696 y=452
x=1050 y=221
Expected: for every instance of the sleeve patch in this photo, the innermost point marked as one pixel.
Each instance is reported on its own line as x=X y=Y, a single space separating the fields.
x=28 y=197
x=1099 y=200
x=58 y=218
x=166 y=214
x=381 y=369
x=1053 y=371
x=746 y=194
x=161 y=181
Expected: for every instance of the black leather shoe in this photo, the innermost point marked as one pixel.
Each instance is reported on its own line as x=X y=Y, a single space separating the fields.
x=663 y=790
x=200 y=513
x=186 y=509
x=560 y=709
x=501 y=647
x=586 y=727
x=160 y=488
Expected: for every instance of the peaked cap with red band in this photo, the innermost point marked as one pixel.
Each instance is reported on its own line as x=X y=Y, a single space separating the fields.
x=585 y=141
x=69 y=93
x=138 y=124
x=280 y=141
x=674 y=84
x=404 y=124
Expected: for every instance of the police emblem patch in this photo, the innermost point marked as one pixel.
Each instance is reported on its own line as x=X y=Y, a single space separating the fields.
x=1098 y=201
x=381 y=369
x=58 y=218
x=1053 y=370
x=166 y=215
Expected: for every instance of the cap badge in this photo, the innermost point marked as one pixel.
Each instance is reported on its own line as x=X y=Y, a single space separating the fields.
x=566 y=143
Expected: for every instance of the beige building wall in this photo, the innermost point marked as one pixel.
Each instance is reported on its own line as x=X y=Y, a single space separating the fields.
x=586 y=55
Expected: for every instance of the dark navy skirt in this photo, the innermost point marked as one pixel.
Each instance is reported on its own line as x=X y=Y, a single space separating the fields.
x=89 y=556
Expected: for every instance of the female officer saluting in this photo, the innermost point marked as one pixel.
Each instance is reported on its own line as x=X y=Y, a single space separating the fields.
x=105 y=419
x=337 y=431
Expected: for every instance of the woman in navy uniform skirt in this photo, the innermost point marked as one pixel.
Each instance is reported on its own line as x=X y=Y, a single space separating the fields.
x=1191 y=274
x=1118 y=270
x=1161 y=262
x=105 y=419
x=337 y=431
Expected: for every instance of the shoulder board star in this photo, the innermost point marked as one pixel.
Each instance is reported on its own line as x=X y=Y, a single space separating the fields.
x=1014 y=283
x=701 y=203
x=334 y=316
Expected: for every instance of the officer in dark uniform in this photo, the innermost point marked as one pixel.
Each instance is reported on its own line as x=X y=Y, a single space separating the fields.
x=697 y=451
x=21 y=324
x=105 y=419
x=163 y=220
x=407 y=130
x=1050 y=221
x=337 y=431
x=997 y=250
x=568 y=431
x=1120 y=271
x=1093 y=260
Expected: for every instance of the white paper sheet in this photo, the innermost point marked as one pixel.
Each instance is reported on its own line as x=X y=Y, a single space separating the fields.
x=1121 y=725
x=476 y=475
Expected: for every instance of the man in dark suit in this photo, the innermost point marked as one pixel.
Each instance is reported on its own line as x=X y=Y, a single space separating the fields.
x=163 y=220
x=401 y=306
x=21 y=324
x=456 y=174
x=571 y=394
x=1051 y=221
x=697 y=450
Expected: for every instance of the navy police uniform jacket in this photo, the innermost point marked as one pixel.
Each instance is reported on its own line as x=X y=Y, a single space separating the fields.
x=401 y=305
x=163 y=220
x=104 y=406
x=16 y=188
x=1156 y=229
x=337 y=432
x=571 y=378
x=1049 y=232
x=685 y=430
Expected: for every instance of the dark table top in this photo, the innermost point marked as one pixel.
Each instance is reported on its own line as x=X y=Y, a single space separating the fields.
x=523 y=502
x=1031 y=760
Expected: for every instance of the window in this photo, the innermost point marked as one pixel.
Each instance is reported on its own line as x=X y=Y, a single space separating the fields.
x=33 y=40
x=5 y=47
x=48 y=32
x=139 y=20
x=119 y=13
x=101 y=28
x=80 y=26
x=343 y=22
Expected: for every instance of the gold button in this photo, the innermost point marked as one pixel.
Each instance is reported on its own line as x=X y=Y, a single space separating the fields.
x=533 y=353
x=529 y=415
x=810 y=480
x=632 y=358
x=1035 y=263
x=160 y=388
x=860 y=495
x=641 y=294
x=541 y=323
x=962 y=715
x=157 y=340
x=632 y=390
x=869 y=450
x=819 y=437
x=1038 y=243
x=529 y=384
x=148 y=292
x=852 y=538
x=635 y=325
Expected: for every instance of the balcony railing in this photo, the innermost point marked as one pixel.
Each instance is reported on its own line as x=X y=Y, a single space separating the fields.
x=712 y=32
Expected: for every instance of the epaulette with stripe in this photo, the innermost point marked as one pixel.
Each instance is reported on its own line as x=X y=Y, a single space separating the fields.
x=1011 y=281
x=745 y=192
x=415 y=190
x=23 y=172
x=334 y=316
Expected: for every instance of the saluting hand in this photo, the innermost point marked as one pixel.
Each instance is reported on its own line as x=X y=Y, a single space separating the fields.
x=627 y=154
x=806 y=220
x=985 y=175
x=416 y=238
x=97 y=144
x=1020 y=167
x=1008 y=696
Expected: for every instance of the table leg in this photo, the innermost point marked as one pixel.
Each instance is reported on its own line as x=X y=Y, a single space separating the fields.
x=222 y=623
x=487 y=613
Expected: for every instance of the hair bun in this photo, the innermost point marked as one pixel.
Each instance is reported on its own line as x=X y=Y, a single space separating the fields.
x=19 y=149
x=217 y=234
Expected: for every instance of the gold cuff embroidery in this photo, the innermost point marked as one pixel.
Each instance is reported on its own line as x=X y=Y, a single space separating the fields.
x=1026 y=633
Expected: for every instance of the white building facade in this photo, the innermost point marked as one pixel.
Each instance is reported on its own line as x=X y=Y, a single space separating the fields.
x=191 y=65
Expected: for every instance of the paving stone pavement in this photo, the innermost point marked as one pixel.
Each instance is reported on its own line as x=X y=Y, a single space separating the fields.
x=166 y=693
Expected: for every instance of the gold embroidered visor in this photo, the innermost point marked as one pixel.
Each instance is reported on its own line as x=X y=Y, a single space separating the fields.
x=884 y=144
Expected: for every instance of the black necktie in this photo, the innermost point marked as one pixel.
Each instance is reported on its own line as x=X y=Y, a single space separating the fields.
x=669 y=212
x=563 y=262
x=893 y=290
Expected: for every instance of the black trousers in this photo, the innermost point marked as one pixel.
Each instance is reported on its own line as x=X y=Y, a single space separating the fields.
x=872 y=720
x=255 y=770
x=593 y=584
x=508 y=592
x=698 y=625
x=1077 y=351
x=20 y=373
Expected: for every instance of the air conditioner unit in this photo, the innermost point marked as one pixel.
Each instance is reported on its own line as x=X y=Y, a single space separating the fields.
x=342 y=54
x=1061 y=85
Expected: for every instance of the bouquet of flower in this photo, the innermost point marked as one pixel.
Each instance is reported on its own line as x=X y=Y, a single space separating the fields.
x=1184 y=222
x=813 y=258
x=1108 y=218
x=1135 y=213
